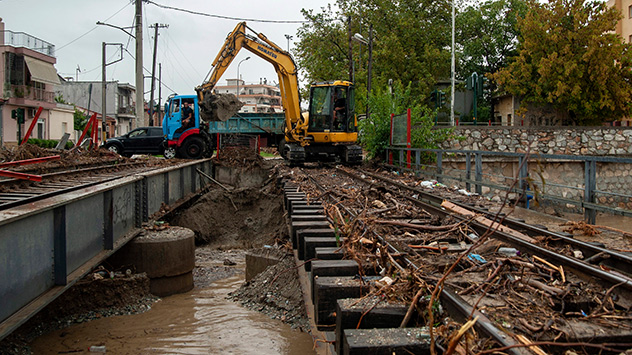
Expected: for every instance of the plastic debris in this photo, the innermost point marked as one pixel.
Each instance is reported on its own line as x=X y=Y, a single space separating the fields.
x=508 y=251
x=476 y=257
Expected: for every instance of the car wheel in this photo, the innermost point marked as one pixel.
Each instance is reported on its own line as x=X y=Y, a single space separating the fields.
x=169 y=153
x=193 y=148
x=114 y=149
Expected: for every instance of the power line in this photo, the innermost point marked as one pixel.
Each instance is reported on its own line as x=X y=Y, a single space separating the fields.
x=147 y=70
x=220 y=16
x=93 y=28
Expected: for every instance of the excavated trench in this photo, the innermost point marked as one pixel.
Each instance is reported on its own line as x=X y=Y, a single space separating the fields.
x=217 y=315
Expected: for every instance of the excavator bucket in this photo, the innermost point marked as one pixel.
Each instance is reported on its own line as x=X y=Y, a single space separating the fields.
x=219 y=107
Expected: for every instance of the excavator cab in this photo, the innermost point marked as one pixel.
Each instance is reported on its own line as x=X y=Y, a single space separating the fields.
x=331 y=108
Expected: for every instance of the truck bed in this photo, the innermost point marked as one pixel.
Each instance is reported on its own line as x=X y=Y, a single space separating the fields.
x=257 y=123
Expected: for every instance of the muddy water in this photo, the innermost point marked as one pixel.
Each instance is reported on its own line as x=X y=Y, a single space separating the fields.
x=201 y=321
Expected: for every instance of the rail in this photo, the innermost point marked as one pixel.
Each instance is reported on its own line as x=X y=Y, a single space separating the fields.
x=527 y=174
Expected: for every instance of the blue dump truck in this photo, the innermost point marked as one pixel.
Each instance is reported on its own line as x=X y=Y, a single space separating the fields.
x=197 y=140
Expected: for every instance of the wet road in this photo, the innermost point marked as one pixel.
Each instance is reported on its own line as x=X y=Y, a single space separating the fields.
x=201 y=321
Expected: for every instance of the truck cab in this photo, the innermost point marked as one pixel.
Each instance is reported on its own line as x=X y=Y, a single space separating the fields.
x=186 y=142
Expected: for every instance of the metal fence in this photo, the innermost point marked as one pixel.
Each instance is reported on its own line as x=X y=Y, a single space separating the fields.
x=592 y=189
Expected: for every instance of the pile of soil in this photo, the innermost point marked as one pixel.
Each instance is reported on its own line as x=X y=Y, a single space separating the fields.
x=219 y=107
x=277 y=293
x=240 y=218
x=239 y=156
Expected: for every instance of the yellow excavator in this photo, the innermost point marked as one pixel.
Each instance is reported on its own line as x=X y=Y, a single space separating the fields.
x=327 y=132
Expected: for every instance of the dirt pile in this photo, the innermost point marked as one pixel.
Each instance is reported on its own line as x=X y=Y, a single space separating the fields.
x=276 y=292
x=240 y=218
x=240 y=157
x=219 y=107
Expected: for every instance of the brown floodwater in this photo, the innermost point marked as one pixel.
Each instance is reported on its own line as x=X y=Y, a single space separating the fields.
x=201 y=321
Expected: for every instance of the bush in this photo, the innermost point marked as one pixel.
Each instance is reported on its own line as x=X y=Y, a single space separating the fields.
x=47 y=143
x=375 y=131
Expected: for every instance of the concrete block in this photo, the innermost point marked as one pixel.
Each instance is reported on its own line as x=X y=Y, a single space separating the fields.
x=386 y=341
x=325 y=268
x=257 y=262
x=300 y=225
x=349 y=312
x=308 y=218
x=327 y=290
x=309 y=245
x=329 y=253
x=301 y=235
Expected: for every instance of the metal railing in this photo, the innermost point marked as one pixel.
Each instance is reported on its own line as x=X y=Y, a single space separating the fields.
x=21 y=39
x=128 y=110
x=526 y=180
x=32 y=93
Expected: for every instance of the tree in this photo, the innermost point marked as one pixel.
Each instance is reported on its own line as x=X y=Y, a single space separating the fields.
x=411 y=41
x=570 y=58
x=488 y=37
x=80 y=120
x=375 y=130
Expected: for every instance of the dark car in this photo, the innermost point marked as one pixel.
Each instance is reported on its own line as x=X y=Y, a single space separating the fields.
x=142 y=140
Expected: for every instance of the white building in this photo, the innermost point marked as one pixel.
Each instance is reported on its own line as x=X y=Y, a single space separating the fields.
x=257 y=98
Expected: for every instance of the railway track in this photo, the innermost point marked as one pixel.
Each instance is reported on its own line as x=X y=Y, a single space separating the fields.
x=14 y=192
x=522 y=283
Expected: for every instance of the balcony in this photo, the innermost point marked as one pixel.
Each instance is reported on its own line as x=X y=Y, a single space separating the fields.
x=30 y=93
x=128 y=110
x=21 y=39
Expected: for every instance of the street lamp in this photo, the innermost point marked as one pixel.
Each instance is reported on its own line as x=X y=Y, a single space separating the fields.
x=238 y=79
x=139 y=60
x=288 y=42
x=358 y=38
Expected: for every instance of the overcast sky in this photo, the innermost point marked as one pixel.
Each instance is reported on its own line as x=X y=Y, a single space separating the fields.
x=185 y=49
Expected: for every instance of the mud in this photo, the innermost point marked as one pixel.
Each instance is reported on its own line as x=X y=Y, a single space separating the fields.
x=219 y=107
x=240 y=218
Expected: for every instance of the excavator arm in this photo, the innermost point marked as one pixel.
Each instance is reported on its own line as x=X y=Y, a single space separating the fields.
x=282 y=62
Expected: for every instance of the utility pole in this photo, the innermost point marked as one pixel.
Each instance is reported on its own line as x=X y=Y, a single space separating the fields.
x=159 y=91
x=140 y=88
x=104 y=87
x=350 y=50
x=452 y=65
x=155 y=26
x=368 y=80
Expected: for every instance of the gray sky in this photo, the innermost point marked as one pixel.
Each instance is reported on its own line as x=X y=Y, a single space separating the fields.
x=185 y=49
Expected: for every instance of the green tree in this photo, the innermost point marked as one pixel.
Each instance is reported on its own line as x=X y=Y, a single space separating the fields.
x=570 y=58
x=410 y=44
x=80 y=120
x=375 y=130
x=488 y=36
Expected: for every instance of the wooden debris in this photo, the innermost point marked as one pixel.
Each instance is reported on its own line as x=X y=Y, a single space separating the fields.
x=487 y=222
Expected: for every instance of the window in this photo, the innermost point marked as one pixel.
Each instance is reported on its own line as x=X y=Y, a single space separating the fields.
x=64 y=127
x=40 y=128
x=630 y=39
x=630 y=11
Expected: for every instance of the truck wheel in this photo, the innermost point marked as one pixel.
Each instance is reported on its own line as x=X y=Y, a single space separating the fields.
x=169 y=153
x=193 y=148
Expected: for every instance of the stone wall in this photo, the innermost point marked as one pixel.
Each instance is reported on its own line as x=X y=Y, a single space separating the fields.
x=592 y=141
x=556 y=177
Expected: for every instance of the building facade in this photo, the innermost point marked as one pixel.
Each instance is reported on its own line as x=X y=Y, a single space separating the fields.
x=120 y=101
x=624 y=26
x=27 y=79
x=257 y=98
